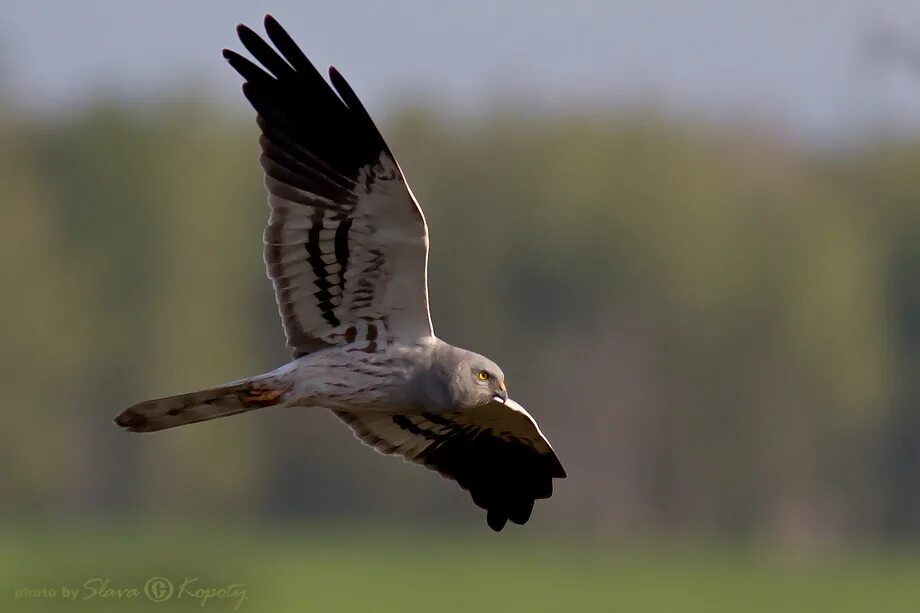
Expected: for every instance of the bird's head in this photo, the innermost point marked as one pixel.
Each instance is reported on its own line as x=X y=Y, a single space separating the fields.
x=478 y=380
x=457 y=379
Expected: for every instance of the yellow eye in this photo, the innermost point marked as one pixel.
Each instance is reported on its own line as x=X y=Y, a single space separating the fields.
x=483 y=375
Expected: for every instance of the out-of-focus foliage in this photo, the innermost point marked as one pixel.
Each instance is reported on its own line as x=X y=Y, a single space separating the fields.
x=720 y=332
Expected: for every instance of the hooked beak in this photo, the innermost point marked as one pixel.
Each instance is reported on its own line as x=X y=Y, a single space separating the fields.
x=502 y=394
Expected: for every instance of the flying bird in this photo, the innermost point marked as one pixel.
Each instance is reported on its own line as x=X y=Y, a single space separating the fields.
x=346 y=248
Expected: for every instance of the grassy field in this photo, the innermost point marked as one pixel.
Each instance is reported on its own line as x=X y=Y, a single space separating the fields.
x=337 y=569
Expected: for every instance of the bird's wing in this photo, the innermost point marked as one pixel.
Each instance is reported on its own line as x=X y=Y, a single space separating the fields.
x=346 y=245
x=495 y=451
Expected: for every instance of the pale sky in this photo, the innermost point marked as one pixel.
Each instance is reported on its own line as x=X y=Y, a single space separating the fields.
x=801 y=65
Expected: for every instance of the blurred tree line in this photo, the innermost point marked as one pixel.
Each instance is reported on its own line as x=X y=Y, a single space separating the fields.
x=719 y=330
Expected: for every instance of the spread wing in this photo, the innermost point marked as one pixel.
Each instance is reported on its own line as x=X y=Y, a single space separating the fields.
x=346 y=245
x=495 y=451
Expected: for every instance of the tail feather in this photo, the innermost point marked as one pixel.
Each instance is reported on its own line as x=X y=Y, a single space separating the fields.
x=222 y=401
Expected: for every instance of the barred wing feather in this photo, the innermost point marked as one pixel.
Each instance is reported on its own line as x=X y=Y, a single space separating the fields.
x=346 y=242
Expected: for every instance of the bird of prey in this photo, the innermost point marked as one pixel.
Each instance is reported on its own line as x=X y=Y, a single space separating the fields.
x=346 y=248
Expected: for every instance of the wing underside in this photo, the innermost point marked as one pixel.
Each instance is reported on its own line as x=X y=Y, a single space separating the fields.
x=346 y=243
x=496 y=452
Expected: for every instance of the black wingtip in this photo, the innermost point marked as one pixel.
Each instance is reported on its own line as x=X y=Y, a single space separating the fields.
x=344 y=89
x=285 y=87
x=560 y=471
x=247 y=35
x=275 y=30
x=521 y=513
x=279 y=35
x=496 y=520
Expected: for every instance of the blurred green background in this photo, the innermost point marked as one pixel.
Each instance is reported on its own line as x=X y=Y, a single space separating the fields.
x=715 y=319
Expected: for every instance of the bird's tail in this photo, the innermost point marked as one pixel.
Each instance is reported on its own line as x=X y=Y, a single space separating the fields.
x=225 y=400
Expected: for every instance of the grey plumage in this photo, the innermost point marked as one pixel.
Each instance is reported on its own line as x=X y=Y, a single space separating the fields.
x=445 y=378
x=346 y=248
